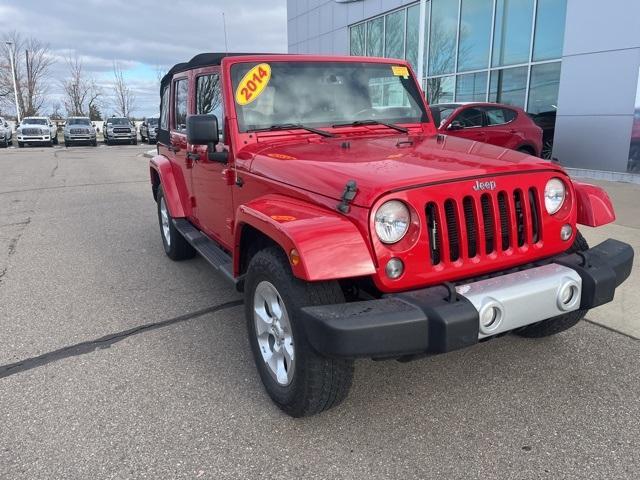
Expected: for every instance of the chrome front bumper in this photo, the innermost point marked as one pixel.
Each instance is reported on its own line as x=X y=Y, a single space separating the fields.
x=518 y=299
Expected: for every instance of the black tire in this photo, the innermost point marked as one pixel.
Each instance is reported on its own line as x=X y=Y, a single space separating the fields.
x=134 y=142
x=177 y=248
x=5 y=143
x=107 y=141
x=318 y=383
x=55 y=140
x=67 y=144
x=560 y=323
x=94 y=143
x=20 y=144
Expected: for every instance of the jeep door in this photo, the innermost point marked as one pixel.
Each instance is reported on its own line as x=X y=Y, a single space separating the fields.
x=213 y=202
x=174 y=146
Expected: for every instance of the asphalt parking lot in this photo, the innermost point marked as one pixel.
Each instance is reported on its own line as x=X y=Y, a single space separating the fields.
x=116 y=362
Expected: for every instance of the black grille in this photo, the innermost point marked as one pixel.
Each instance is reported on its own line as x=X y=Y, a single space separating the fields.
x=121 y=130
x=470 y=223
x=452 y=230
x=32 y=131
x=514 y=217
x=79 y=131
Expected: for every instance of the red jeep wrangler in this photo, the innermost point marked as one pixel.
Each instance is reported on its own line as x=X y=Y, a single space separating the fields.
x=321 y=188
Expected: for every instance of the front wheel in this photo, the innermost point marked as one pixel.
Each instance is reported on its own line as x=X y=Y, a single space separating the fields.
x=20 y=144
x=560 y=323
x=298 y=379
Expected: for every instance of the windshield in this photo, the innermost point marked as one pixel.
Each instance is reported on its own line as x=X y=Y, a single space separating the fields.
x=35 y=121
x=324 y=94
x=78 y=121
x=153 y=122
x=441 y=113
x=118 y=121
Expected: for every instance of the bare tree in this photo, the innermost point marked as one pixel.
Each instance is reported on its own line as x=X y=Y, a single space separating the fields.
x=31 y=63
x=82 y=94
x=124 y=98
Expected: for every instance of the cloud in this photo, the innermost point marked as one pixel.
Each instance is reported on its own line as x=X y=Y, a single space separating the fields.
x=144 y=35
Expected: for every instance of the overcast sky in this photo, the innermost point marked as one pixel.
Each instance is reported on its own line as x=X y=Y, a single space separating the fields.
x=144 y=35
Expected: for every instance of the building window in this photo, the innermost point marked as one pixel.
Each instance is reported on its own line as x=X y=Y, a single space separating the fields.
x=549 y=35
x=375 y=42
x=394 y=35
x=357 y=35
x=441 y=89
x=413 y=35
x=442 y=40
x=509 y=86
x=475 y=34
x=543 y=88
x=512 y=34
x=471 y=87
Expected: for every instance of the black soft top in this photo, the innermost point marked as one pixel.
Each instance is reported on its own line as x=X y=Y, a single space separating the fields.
x=200 y=60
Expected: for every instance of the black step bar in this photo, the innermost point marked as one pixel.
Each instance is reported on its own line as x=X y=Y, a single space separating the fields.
x=210 y=251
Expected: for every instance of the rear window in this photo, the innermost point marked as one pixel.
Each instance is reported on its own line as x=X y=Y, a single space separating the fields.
x=164 y=109
x=180 y=108
x=499 y=116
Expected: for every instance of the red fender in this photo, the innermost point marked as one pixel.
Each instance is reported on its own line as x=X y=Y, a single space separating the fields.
x=594 y=205
x=162 y=166
x=330 y=246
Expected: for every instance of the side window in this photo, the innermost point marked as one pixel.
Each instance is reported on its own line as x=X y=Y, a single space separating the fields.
x=209 y=97
x=469 y=118
x=499 y=116
x=180 y=107
x=164 y=109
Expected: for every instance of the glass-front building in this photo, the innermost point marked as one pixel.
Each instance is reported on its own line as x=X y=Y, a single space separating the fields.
x=571 y=64
x=505 y=51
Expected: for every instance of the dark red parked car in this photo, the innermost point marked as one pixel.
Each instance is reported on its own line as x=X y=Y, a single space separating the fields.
x=494 y=123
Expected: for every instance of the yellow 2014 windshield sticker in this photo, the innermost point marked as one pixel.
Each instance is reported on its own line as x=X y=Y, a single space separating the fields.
x=400 y=71
x=253 y=84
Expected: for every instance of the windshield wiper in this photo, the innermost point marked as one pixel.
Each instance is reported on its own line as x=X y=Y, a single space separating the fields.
x=292 y=126
x=359 y=123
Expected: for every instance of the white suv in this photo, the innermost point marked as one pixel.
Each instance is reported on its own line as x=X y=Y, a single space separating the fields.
x=37 y=130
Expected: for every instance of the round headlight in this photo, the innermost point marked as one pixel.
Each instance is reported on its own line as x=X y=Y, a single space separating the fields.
x=392 y=221
x=554 y=194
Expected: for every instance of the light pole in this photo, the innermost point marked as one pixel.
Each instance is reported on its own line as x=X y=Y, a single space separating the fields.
x=12 y=56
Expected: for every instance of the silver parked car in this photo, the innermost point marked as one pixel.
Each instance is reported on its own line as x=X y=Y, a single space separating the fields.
x=79 y=130
x=6 y=135
x=119 y=129
x=149 y=129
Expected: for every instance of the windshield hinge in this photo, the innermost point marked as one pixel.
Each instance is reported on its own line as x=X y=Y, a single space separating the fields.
x=350 y=191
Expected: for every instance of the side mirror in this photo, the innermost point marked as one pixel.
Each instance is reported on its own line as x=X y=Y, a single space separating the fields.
x=455 y=125
x=202 y=130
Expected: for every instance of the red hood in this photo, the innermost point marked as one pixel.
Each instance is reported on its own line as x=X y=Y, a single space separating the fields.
x=381 y=164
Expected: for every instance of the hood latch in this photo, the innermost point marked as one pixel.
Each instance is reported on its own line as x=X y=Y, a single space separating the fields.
x=350 y=191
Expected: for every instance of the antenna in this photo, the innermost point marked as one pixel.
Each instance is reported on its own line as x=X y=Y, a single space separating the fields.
x=224 y=26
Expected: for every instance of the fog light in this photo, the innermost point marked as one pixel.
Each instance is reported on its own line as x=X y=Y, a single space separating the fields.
x=394 y=268
x=565 y=232
x=568 y=296
x=490 y=317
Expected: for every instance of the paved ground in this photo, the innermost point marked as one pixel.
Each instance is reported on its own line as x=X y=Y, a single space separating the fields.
x=81 y=261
